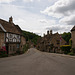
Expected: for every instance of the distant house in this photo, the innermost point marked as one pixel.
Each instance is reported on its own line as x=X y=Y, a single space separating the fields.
x=11 y=36
x=51 y=42
x=73 y=36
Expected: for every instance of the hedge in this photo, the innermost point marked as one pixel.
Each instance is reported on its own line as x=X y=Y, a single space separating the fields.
x=25 y=48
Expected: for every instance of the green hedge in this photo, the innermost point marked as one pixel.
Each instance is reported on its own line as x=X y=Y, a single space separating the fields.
x=25 y=48
x=65 y=48
x=70 y=42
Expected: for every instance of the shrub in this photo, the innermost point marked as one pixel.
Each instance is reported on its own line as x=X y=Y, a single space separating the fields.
x=71 y=53
x=65 y=48
x=70 y=42
x=25 y=48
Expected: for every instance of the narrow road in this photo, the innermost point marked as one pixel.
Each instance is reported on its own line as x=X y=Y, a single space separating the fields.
x=35 y=62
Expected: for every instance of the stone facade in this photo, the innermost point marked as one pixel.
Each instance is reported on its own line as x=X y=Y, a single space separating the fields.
x=23 y=42
x=11 y=36
x=73 y=37
x=2 y=39
x=51 y=42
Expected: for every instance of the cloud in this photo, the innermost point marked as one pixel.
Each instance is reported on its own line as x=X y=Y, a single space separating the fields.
x=68 y=20
x=60 y=8
x=6 y=1
x=64 y=10
x=31 y=0
x=47 y=21
x=28 y=0
x=59 y=28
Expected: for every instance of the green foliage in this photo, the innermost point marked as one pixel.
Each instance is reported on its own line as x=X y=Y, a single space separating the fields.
x=71 y=53
x=66 y=36
x=25 y=48
x=70 y=42
x=31 y=36
x=65 y=48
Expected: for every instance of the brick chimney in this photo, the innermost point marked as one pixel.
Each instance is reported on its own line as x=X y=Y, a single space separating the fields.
x=50 y=32
x=10 y=19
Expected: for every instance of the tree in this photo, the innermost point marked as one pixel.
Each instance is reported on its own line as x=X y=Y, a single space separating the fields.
x=66 y=36
x=31 y=36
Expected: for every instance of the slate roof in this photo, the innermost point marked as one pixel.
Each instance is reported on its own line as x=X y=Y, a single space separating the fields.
x=9 y=27
x=73 y=29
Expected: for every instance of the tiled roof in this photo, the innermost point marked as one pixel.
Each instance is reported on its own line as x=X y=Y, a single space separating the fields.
x=73 y=29
x=9 y=27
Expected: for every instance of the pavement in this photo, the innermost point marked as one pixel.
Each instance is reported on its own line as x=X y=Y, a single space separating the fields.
x=34 y=62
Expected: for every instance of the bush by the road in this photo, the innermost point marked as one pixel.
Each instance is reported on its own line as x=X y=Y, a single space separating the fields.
x=25 y=48
x=65 y=48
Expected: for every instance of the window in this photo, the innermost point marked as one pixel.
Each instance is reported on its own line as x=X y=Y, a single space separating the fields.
x=10 y=35
x=13 y=48
x=6 y=39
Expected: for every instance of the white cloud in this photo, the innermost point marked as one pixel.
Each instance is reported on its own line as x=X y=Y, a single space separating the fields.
x=28 y=0
x=60 y=28
x=68 y=20
x=47 y=21
x=6 y=1
x=62 y=9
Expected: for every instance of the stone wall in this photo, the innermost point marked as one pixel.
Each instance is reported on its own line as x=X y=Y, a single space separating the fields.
x=1 y=39
x=23 y=42
x=73 y=39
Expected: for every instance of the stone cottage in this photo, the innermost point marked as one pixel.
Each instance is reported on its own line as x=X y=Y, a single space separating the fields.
x=11 y=36
x=73 y=36
x=51 y=42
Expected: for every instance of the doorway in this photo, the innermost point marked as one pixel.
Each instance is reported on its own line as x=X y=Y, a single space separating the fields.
x=7 y=47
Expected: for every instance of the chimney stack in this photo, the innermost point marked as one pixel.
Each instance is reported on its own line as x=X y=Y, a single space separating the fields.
x=50 y=32
x=11 y=20
x=47 y=32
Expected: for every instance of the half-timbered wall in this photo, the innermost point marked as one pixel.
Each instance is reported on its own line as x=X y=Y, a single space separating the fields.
x=13 y=38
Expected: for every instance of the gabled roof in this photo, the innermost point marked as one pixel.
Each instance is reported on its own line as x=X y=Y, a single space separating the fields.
x=50 y=37
x=73 y=29
x=19 y=29
x=9 y=27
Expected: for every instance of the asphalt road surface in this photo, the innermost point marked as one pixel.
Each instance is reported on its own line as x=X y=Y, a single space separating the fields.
x=35 y=62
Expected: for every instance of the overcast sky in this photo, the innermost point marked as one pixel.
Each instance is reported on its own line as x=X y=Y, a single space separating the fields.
x=38 y=16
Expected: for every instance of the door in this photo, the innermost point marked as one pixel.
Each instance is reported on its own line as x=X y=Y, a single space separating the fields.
x=7 y=47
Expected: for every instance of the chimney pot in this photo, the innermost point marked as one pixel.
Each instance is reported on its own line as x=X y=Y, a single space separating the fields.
x=11 y=20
